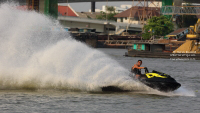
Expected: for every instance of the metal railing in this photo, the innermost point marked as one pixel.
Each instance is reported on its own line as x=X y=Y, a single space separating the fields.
x=129 y=42
x=97 y=21
x=180 y=10
x=108 y=21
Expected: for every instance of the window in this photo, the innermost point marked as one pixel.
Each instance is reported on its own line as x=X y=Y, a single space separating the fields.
x=132 y=19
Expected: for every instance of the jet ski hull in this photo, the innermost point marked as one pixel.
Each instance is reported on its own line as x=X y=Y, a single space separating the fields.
x=113 y=89
x=160 y=81
x=156 y=80
x=162 y=84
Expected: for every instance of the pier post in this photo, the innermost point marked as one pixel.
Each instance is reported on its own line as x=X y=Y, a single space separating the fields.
x=93 y=6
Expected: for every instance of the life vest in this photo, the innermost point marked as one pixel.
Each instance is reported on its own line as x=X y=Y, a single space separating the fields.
x=136 y=71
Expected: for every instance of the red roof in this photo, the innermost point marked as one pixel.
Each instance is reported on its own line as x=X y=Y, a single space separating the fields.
x=137 y=11
x=66 y=11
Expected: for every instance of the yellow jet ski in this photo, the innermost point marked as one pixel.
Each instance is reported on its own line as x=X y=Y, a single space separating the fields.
x=156 y=80
x=160 y=81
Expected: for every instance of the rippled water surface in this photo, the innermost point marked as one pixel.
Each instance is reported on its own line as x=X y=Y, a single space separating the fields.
x=43 y=69
x=185 y=100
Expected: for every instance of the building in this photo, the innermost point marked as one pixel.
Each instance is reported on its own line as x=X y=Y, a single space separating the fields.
x=148 y=47
x=136 y=14
x=125 y=7
x=66 y=11
x=47 y=7
x=87 y=20
x=179 y=34
x=89 y=15
x=117 y=9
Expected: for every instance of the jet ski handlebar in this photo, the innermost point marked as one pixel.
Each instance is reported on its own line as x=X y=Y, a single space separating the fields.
x=146 y=70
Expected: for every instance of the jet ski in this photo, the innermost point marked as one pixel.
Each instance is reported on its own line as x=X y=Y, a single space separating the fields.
x=113 y=89
x=158 y=80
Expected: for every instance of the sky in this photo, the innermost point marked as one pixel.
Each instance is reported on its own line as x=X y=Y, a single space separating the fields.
x=85 y=6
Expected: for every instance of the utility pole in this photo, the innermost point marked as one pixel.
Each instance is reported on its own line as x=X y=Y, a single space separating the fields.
x=129 y=17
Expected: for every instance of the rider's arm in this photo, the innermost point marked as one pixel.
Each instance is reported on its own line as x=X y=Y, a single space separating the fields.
x=135 y=66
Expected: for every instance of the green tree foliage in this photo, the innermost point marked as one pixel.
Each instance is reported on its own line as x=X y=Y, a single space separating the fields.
x=110 y=15
x=110 y=9
x=159 y=26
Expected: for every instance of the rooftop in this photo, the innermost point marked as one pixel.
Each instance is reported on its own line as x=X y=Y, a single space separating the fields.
x=178 y=31
x=137 y=10
x=91 y=15
x=66 y=11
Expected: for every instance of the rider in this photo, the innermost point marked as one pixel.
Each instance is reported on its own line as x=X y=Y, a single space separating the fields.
x=137 y=69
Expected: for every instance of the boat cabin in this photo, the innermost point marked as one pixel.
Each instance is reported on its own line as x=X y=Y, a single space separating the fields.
x=149 y=47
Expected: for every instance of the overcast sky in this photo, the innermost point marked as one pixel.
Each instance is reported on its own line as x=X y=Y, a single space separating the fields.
x=85 y=6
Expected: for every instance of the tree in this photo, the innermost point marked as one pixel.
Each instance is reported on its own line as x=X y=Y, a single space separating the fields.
x=110 y=14
x=159 y=26
x=111 y=9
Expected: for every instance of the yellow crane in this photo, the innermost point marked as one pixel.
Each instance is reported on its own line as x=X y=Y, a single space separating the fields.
x=191 y=45
x=194 y=31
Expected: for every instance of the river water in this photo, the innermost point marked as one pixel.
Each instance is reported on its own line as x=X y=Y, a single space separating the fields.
x=43 y=69
x=185 y=100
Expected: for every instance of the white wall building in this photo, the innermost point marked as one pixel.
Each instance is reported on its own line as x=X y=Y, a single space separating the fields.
x=124 y=7
x=123 y=17
x=117 y=9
